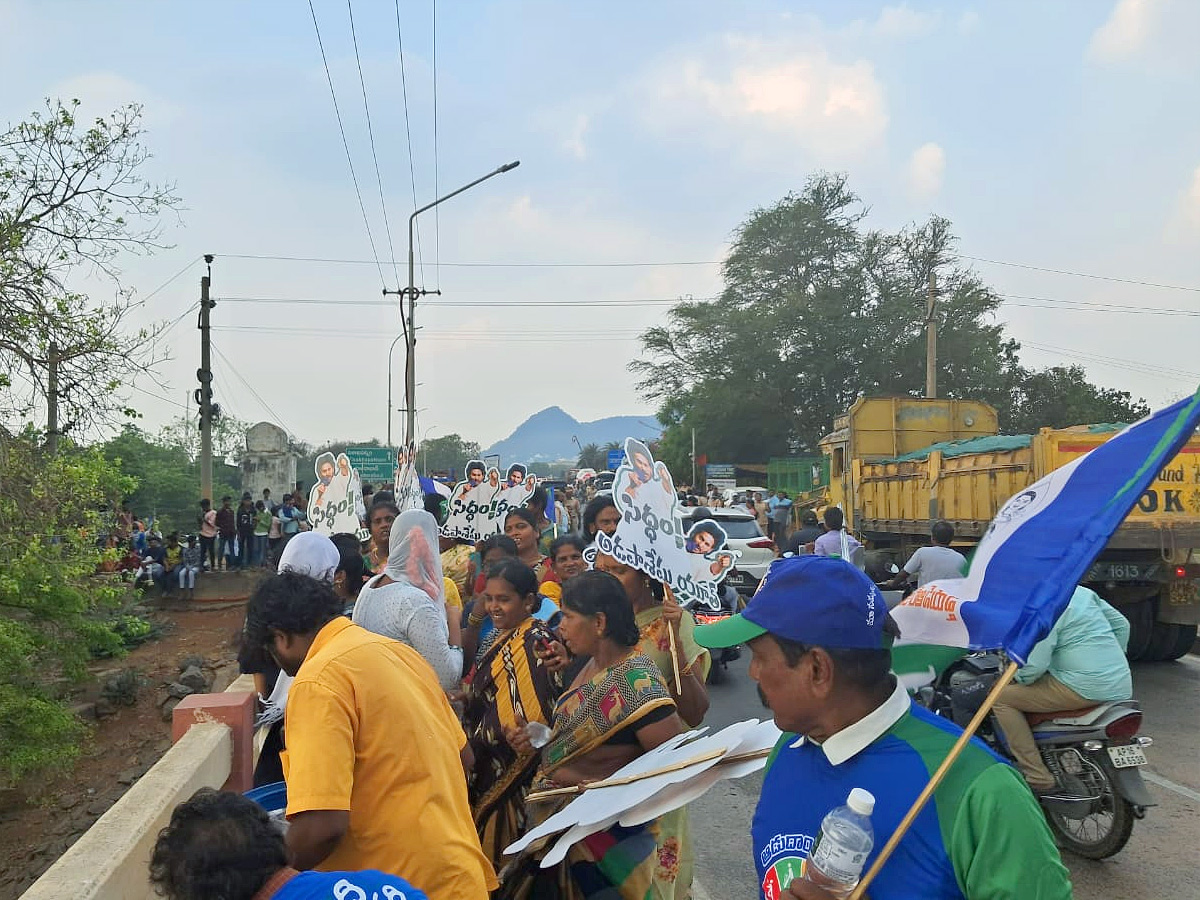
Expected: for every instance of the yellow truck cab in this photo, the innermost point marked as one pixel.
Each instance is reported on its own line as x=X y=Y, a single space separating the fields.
x=897 y=464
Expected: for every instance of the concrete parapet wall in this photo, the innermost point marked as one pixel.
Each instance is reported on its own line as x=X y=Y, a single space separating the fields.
x=110 y=862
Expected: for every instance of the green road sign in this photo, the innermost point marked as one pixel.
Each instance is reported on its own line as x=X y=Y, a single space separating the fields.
x=374 y=464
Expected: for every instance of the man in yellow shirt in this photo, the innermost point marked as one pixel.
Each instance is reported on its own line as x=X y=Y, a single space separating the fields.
x=375 y=757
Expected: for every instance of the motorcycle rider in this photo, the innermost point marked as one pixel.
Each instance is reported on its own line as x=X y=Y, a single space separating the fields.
x=1080 y=663
x=933 y=562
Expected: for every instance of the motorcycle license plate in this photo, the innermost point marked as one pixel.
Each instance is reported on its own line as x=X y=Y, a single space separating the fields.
x=1128 y=755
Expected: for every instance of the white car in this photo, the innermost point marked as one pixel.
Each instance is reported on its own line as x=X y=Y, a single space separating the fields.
x=729 y=494
x=757 y=550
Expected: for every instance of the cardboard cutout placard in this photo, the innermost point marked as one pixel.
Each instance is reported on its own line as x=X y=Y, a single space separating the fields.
x=335 y=503
x=409 y=494
x=478 y=504
x=651 y=537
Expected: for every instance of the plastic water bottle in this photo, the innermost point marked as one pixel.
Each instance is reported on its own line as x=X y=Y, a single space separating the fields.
x=842 y=846
x=539 y=734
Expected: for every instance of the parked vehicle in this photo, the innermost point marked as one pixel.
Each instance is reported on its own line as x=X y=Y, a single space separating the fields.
x=897 y=464
x=1095 y=753
x=756 y=549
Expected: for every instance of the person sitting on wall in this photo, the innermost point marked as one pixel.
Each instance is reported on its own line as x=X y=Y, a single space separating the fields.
x=220 y=844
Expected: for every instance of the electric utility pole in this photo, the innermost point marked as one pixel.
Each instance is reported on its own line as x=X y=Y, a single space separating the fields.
x=931 y=338
x=52 y=399
x=204 y=392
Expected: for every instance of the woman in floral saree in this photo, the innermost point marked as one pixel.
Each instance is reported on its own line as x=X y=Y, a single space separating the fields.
x=617 y=708
x=509 y=685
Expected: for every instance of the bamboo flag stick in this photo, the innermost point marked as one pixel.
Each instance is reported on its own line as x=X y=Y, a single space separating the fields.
x=671 y=637
x=652 y=773
x=940 y=774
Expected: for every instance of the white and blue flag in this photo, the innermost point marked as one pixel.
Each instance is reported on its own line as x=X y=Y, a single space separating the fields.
x=1042 y=541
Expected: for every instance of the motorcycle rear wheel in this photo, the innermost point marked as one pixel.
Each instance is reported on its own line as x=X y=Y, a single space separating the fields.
x=1101 y=834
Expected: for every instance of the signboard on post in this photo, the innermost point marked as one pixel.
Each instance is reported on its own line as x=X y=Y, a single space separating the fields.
x=615 y=458
x=375 y=465
x=720 y=475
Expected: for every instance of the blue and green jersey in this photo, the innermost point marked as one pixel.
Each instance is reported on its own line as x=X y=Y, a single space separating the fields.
x=981 y=837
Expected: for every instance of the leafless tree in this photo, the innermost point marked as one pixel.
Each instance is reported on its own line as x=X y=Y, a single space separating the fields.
x=73 y=202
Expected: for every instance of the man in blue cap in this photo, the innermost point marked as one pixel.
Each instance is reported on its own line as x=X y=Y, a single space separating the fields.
x=820 y=636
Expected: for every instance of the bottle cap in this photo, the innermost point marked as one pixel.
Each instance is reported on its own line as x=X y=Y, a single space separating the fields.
x=862 y=802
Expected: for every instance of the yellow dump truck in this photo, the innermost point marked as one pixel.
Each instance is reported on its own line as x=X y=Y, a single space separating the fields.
x=897 y=464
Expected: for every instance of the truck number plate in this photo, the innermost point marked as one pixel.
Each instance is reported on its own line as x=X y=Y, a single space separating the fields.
x=1127 y=755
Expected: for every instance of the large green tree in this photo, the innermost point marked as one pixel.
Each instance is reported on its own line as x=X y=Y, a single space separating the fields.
x=167 y=474
x=1061 y=395
x=816 y=312
x=447 y=453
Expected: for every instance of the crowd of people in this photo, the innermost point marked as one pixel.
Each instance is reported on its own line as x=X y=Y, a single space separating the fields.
x=416 y=690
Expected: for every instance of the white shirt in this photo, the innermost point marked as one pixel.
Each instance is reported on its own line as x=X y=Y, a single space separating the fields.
x=854 y=739
x=931 y=563
x=407 y=614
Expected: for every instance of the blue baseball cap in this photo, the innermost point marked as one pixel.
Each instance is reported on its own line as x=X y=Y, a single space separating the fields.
x=820 y=601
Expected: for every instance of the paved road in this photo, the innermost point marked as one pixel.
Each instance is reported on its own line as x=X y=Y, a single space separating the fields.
x=1159 y=860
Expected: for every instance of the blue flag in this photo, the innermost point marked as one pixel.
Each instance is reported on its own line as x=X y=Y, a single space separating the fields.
x=1043 y=540
x=551 y=513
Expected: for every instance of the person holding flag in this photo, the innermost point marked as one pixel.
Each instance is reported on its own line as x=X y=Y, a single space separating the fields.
x=820 y=636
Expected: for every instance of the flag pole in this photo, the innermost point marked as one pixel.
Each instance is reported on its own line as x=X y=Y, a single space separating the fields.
x=923 y=797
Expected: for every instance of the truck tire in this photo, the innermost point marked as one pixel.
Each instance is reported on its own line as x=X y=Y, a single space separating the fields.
x=1141 y=628
x=1184 y=642
x=1163 y=638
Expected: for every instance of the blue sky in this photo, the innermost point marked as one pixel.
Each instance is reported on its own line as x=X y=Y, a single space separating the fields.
x=1056 y=135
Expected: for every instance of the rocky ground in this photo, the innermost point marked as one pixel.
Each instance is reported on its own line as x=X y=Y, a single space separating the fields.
x=39 y=821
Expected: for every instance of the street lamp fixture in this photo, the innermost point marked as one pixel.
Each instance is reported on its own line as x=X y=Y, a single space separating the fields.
x=410 y=373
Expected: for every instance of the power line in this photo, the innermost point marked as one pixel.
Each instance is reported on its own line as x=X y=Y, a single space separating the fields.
x=1092 y=306
x=447 y=336
x=270 y=412
x=1013 y=265
x=346 y=145
x=371 y=137
x=1044 y=303
x=412 y=174
x=472 y=304
x=169 y=281
x=437 y=221
x=158 y=397
x=1114 y=362
x=473 y=265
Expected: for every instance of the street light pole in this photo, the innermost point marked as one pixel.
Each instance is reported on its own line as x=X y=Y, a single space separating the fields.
x=410 y=368
x=390 y=349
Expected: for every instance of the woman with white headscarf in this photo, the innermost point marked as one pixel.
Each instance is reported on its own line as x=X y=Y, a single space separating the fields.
x=316 y=556
x=406 y=602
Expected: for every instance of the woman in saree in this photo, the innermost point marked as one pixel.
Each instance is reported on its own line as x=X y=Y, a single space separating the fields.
x=615 y=709
x=509 y=685
x=656 y=610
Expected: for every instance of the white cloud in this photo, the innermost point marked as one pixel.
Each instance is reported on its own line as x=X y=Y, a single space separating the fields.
x=968 y=22
x=771 y=95
x=574 y=143
x=1129 y=27
x=904 y=23
x=926 y=167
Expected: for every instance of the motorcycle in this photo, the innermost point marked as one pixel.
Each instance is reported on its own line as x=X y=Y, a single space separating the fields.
x=706 y=615
x=1094 y=753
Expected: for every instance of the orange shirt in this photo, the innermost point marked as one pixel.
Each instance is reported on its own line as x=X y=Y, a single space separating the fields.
x=369 y=730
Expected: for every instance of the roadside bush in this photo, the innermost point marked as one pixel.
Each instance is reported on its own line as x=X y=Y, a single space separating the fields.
x=53 y=607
